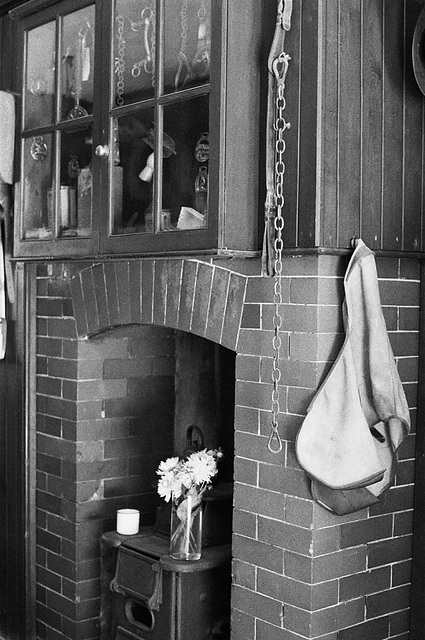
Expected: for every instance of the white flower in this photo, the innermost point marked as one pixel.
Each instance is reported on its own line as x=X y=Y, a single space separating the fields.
x=203 y=466
x=164 y=489
x=181 y=477
x=168 y=465
x=169 y=486
x=185 y=477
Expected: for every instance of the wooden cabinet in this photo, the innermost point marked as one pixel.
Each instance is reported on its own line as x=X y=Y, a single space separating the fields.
x=137 y=130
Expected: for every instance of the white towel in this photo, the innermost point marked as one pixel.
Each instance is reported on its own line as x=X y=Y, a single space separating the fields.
x=7 y=149
x=7 y=136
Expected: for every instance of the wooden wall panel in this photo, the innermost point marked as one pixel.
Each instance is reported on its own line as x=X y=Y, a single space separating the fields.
x=364 y=125
x=413 y=130
x=348 y=133
x=371 y=122
x=392 y=115
x=327 y=179
x=308 y=122
x=14 y=594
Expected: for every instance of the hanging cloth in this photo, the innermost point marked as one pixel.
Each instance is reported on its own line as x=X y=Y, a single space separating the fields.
x=283 y=24
x=7 y=136
x=354 y=426
x=3 y=325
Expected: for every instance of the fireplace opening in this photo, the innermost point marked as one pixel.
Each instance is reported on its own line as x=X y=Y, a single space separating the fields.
x=170 y=393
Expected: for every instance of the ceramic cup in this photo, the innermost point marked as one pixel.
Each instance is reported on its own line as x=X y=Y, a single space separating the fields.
x=128 y=521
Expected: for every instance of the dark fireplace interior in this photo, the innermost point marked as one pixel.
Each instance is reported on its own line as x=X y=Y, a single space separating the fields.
x=156 y=384
x=142 y=594
x=178 y=396
x=162 y=392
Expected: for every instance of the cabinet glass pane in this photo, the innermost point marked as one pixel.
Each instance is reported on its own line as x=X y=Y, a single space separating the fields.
x=77 y=57
x=134 y=51
x=74 y=205
x=132 y=173
x=39 y=76
x=185 y=172
x=37 y=183
x=187 y=44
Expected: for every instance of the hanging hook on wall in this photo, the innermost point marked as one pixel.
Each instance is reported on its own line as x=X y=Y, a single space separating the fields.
x=278 y=63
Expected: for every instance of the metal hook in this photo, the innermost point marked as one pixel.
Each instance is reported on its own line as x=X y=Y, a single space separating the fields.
x=280 y=67
x=274 y=444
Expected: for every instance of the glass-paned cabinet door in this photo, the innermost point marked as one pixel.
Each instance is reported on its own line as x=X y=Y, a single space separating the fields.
x=159 y=122
x=55 y=190
x=138 y=126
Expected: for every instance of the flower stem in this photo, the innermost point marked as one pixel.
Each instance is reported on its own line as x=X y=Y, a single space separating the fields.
x=188 y=523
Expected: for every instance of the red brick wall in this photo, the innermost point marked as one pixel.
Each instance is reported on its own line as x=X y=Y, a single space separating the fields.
x=299 y=571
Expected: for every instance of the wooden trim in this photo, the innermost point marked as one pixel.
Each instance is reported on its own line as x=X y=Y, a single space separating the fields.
x=417 y=610
x=33 y=6
x=28 y=8
x=28 y=291
x=25 y=285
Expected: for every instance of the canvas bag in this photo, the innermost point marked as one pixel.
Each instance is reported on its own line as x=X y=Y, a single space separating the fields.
x=355 y=424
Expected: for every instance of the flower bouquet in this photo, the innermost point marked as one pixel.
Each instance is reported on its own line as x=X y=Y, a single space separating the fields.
x=184 y=482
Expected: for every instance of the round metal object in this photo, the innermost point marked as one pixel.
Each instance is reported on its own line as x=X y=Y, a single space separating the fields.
x=102 y=150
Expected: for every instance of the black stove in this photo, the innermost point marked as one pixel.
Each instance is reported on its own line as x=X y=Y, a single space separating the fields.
x=154 y=597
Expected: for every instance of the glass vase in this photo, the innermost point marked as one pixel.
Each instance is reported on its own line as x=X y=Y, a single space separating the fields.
x=186 y=528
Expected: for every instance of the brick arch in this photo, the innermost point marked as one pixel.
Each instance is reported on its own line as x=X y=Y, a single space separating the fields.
x=186 y=294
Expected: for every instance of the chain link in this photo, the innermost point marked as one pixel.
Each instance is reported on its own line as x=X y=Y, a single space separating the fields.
x=184 y=68
x=280 y=68
x=153 y=44
x=119 y=61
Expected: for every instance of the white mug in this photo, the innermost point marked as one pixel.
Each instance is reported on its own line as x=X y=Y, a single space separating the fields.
x=128 y=521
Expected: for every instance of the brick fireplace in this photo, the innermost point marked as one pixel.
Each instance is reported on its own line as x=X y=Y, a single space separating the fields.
x=106 y=362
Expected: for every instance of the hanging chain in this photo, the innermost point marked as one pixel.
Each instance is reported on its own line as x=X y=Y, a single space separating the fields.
x=183 y=15
x=184 y=70
x=119 y=61
x=280 y=68
x=153 y=44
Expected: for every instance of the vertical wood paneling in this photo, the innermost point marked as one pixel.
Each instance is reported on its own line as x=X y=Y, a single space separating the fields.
x=329 y=191
x=368 y=135
x=13 y=467
x=18 y=533
x=413 y=141
x=14 y=594
x=372 y=113
x=417 y=610
x=393 y=74
x=349 y=121
x=308 y=123
x=241 y=177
